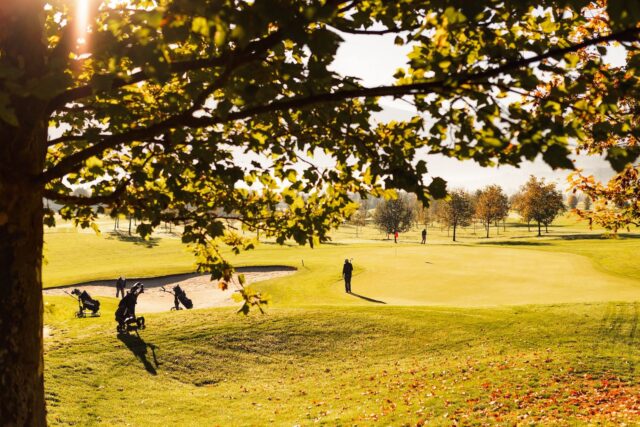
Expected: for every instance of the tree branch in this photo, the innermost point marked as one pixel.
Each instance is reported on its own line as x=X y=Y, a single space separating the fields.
x=65 y=138
x=371 y=32
x=85 y=201
x=252 y=49
x=67 y=164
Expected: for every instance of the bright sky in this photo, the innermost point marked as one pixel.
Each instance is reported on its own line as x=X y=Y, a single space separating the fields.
x=375 y=59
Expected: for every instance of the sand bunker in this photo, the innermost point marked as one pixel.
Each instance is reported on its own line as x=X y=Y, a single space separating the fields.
x=199 y=288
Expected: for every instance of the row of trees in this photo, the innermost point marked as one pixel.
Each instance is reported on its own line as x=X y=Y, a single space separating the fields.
x=573 y=200
x=537 y=201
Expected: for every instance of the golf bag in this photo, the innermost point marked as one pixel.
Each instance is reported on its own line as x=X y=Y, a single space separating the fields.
x=85 y=302
x=180 y=297
x=126 y=312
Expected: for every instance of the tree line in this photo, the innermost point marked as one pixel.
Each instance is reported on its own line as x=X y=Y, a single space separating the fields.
x=536 y=202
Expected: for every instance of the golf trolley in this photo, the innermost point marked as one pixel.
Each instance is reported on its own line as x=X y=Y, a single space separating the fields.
x=179 y=297
x=85 y=303
x=126 y=312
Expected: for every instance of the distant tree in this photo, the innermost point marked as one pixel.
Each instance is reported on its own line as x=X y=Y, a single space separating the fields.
x=491 y=205
x=552 y=205
x=457 y=210
x=586 y=202
x=394 y=215
x=359 y=217
x=433 y=211
x=572 y=201
x=538 y=201
x=520 y=205
x=421 y=213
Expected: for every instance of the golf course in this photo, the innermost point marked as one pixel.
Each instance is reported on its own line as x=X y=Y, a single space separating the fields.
x=511 y=329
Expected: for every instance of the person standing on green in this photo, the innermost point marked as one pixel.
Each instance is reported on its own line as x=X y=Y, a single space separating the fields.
x=424 y=236
x=347 y=270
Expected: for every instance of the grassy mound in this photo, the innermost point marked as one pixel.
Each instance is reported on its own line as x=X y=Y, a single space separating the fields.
x=347 y=365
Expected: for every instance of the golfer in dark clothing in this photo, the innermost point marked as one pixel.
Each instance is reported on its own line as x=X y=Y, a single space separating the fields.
x=424 y=236
x=121 y=285
x=347 y=269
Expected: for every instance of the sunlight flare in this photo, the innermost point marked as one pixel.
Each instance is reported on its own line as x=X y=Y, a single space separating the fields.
x=82 y=21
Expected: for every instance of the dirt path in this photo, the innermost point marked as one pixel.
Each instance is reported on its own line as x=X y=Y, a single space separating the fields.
x=199 y=288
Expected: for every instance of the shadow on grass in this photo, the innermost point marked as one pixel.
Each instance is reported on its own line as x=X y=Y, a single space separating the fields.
x=599 y=236
x=366 y=298
x=620 y=323
x=514 y=243
x=136 y=240
x=140 y=349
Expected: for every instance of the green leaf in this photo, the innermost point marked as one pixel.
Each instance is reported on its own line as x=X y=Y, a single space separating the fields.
x=557 y=156
x=438 y=188
x=619 y=157
x=200 y=25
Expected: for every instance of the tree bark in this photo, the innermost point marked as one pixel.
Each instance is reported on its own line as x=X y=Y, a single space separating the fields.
x=539 y=230
x=21 y=238
x=22 y=154
x=454 y=231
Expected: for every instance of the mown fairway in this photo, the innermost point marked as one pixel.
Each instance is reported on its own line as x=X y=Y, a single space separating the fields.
x=519 y=330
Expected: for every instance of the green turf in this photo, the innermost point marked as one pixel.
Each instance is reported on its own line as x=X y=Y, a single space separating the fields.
x=74 y=257
x=443 y=333
x=348 y=366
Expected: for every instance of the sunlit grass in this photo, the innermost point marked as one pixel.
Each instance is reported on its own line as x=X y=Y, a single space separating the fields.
x=348 y=365
x=322 y=356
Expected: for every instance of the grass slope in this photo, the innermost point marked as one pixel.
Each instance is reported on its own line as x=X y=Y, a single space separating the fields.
x=348 y=366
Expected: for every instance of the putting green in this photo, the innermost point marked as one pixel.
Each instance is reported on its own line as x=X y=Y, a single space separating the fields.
x=446 y=275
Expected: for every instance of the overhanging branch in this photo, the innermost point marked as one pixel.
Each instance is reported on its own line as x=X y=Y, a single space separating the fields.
x=247 y=53
x=186 y=119
x=85 y=201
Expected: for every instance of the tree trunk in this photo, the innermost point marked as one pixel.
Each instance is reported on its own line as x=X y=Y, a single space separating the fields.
x=22 y=154
x=529 y=226
x=454 y=231
x=21 y=238
x=546 y=227
x=539 y=230
x=487 y=230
